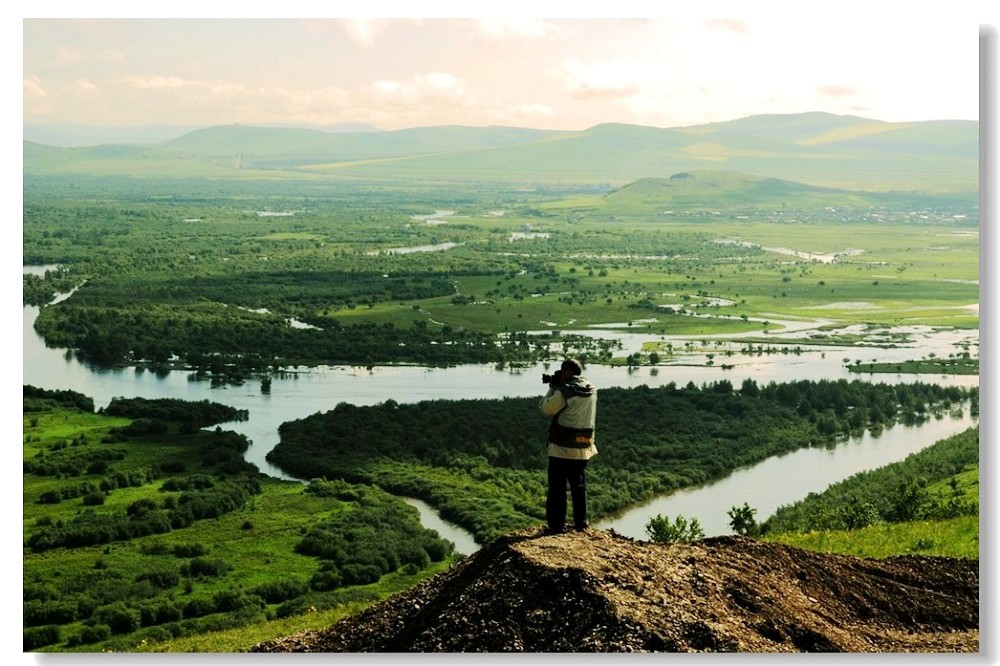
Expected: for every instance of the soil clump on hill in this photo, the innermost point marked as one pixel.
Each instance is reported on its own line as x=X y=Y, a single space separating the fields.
x=598 y=591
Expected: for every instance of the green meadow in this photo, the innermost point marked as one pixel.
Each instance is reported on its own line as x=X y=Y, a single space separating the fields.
x=371 y=282
x=124 y=567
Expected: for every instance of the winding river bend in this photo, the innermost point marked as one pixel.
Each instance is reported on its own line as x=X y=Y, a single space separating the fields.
x=766 y=486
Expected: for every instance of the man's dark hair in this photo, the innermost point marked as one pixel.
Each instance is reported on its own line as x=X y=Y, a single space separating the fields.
x=573 y=366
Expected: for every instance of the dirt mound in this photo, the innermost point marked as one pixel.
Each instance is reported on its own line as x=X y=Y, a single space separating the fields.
x=598 y=591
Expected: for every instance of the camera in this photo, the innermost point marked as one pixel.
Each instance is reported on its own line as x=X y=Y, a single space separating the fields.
x=548 y=379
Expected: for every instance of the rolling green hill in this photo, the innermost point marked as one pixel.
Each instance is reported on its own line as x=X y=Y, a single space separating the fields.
x=816 y=148
x=276 y=146
x=724 y=190
x=732 y=192
x=119 y=160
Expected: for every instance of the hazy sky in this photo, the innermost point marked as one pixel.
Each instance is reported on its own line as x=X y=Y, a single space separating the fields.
x=712 y=61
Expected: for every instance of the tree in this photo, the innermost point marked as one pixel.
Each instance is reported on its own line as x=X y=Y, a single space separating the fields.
x=661 y=530
x=750 y=388
x=906 y=501
x=742 y=521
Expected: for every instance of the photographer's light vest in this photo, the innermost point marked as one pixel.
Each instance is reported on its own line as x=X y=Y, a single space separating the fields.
x=571 y=431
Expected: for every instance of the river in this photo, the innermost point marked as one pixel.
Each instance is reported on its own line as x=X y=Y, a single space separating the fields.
x=306 y=391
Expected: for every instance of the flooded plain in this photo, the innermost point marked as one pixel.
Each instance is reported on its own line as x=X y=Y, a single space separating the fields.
x=304 y=391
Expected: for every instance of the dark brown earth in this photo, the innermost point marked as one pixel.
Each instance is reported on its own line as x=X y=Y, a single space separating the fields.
x=598 y=591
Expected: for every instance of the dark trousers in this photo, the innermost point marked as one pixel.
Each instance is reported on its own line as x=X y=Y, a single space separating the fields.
x=563 y=471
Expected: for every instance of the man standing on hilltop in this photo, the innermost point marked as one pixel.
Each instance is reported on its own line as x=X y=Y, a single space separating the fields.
x=571 y=403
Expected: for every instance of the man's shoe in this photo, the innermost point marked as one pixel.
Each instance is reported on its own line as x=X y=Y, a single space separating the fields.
x=582 y=528
x=552 y=530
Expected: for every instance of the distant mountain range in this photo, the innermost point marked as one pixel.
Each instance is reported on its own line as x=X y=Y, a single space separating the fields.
x=819 y=149
x=69 y=135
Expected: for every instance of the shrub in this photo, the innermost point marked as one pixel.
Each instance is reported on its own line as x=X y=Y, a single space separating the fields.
x=38 y=612
x=155 y=635
x=121 y=619
x=415 y=555
x=41 y=591
x=140 y=507
x=50 y=497
x=37 y=637
x=198 y=607
x=235 y=600
x=159 y=612
x=203 y=566
x=360 y=574
x=306 y=604
x=661 y=530
x=742 y=520
x=275 y=592
x=905 y=502
x=173 y=467
x=324 y=581
x=189 y=550
x=94 y=633
x=438 y=549
x=857 y=515
x=95 y=498
x=162 y=578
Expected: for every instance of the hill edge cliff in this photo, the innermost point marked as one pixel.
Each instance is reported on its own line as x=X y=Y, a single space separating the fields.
x=597 y=591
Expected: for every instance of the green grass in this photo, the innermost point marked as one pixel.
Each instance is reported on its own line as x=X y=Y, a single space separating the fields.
x=944 y=490
x=957 y=537
x=241 y=639
x=904 y=276
x=957 y=366
x=257 y=541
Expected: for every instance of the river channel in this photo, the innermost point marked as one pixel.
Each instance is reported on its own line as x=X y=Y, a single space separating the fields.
x=766 y=486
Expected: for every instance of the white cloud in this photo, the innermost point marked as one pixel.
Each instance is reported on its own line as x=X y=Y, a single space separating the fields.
x=705 y=61
x=388 y=87
x=602 y=79
x=156 y=81
x=361 y=31
x=419 y=88
x=365 y=31
x=520 y=27
x=442 y=81
x=728 y=24
x=33 y=88
x=66 y=56
x=533 y=110
x=84 y=86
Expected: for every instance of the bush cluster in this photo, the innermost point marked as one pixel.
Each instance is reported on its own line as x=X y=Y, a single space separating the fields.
x=146 y=517
x=376 y=537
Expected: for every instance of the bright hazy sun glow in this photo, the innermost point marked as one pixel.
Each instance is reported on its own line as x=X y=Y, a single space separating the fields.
x=715 y=61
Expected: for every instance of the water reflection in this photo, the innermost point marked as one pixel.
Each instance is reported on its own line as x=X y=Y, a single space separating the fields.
x=786 y=479
x=429 y=518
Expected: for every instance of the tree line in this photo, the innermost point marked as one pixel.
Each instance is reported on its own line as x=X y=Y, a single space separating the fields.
x=481 y=462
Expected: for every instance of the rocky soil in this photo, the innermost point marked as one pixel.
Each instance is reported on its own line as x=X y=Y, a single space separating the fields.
x=597 y=591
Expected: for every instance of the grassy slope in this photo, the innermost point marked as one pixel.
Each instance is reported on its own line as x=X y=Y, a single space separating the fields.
x=956 y=537
x=951 y=537
x=258 y=541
